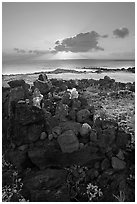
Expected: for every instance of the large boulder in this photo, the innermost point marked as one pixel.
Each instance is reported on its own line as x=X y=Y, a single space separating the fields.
x=68 y=142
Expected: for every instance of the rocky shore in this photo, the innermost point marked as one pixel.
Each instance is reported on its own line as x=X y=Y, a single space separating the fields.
x=68 y=141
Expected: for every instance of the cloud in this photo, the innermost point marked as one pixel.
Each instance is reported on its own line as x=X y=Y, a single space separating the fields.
x=82 y=42
x=121 y=32
x=22 y=51
x=34 y=52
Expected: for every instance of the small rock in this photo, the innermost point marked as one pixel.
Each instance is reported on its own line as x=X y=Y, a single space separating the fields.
x=118 y=164
x=93 y=135
x=50 y=137
x=81 y=145
x=120 y=155
x=43 y=136
x=97 y=165
x=56 y=131
x=85 y=129
x=23 y=147
x=105 y=164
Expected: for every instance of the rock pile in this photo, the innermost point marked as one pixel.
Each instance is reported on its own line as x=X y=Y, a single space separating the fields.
x=59 y=133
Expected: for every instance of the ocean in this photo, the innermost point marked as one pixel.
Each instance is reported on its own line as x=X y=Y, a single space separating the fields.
x=27 y=66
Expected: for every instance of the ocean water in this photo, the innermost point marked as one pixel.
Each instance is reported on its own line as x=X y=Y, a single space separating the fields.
x=31 y=66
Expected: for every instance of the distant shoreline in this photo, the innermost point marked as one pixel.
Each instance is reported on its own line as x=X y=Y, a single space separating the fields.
x=60 y=70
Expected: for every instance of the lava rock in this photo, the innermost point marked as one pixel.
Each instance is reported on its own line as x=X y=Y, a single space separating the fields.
x=23 y=147
x=45 y=179
x=68 y=142
x=43 y=136
x=105 y=164
x=61 y=111
x=82 y=115
x=43 y=77
x=43 y=86
x=34 y=132
x=122 y=139
x=118 y=164
x=93 y=135
x=17 y=94
x=50 y=155
x=26 y=115
x=70 y=125
x=85 y=130
x=16 y=83
x=16 y=157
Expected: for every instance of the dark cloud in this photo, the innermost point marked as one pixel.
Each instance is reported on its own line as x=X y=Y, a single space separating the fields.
x=82 y=42
x=121 y=32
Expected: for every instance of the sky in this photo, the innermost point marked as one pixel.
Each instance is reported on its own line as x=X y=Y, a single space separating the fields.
x=89 y=30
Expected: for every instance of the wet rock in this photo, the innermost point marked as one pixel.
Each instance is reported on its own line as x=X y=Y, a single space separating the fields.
x=16 y=83
x=68 y=142
x=83 y=115
x=118 y=164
